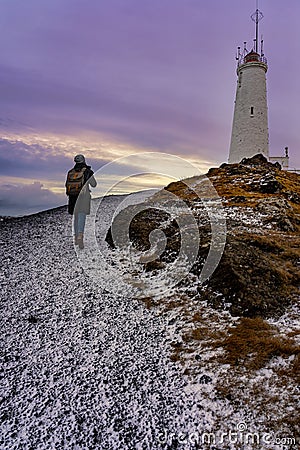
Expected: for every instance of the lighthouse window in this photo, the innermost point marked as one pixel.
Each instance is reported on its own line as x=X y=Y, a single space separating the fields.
x=252 y=111
x=240 y=80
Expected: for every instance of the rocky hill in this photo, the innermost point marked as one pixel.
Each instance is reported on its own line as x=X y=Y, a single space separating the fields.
x=259 y=272
x=240 y=327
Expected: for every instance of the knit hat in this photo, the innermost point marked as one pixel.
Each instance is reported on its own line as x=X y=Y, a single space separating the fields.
x=79 y=159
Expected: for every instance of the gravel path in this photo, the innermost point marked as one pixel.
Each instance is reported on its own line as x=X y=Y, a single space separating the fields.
x=83 y=369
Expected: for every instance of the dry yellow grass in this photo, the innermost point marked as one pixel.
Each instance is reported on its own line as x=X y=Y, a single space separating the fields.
x=254 y=342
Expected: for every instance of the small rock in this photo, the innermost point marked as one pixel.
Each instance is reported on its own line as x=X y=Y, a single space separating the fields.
x=177 y=344
x=238 y=198
x=292 y=196
x=154 y=265
x=272 y=205
x=172 y=321
x=284 y=224
x=32 y=319
x=269 y=185
x=205 y=379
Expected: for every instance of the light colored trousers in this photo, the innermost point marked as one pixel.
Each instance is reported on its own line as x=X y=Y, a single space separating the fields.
x=79 y=223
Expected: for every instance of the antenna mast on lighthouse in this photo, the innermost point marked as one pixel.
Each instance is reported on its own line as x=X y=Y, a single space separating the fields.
x=250 y=134
x=256 y=17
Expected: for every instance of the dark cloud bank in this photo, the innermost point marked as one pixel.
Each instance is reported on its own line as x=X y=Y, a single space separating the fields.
x=26 y=199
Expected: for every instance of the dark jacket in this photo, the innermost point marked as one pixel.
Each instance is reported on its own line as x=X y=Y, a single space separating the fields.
x=84 y=198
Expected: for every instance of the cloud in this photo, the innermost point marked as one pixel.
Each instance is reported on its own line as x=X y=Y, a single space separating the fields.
x=156 y=75
x=19 y=158
x=27 y=198
x=145 y=110
x=109 y=68
x=47 y=161
x=44 y=158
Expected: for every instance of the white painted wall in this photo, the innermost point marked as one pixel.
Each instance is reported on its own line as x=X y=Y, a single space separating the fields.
x=250 y=133
x=283 y=161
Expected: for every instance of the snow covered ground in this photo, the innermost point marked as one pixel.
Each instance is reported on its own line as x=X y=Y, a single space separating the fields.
x=88 y=367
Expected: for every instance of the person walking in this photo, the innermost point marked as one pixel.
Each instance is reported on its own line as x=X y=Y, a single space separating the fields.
x=79 y=178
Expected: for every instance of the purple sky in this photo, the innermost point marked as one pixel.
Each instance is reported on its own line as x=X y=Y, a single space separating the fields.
x=114 y=77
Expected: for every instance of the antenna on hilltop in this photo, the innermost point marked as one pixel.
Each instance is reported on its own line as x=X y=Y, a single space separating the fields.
x=256 y=17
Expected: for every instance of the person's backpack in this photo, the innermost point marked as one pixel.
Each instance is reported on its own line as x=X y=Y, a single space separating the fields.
x=75 y=181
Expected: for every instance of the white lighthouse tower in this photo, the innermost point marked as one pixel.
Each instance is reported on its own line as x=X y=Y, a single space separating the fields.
x=250 y=133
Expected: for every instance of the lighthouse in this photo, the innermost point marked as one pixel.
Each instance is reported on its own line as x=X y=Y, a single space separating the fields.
x=250 y=133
